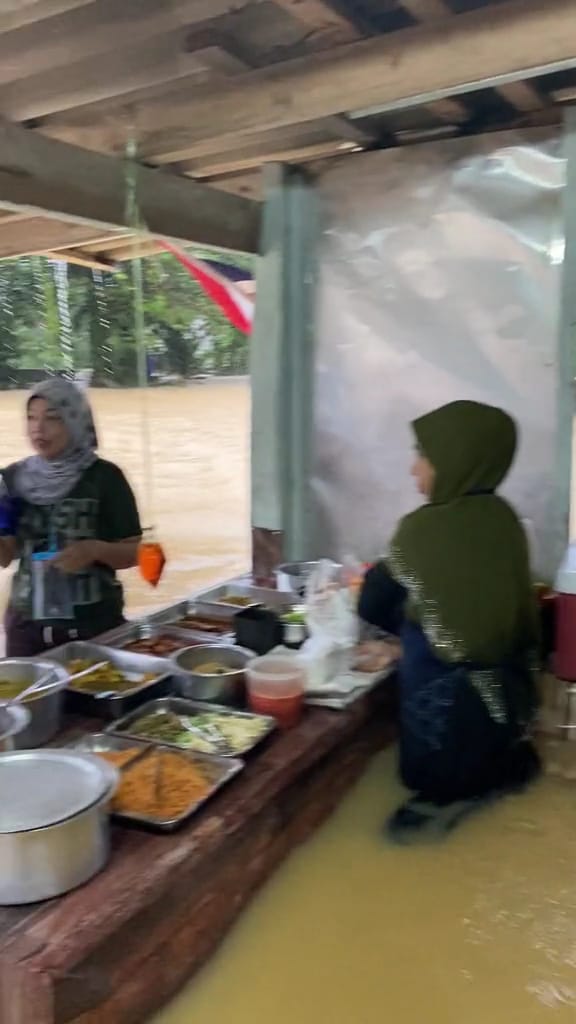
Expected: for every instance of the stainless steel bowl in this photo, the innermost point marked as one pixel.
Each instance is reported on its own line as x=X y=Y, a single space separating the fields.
x=12 y=721
x=221 y=688
x=292 y=577
x=46 y=706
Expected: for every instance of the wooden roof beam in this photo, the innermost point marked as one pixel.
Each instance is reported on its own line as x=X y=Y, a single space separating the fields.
x=407 y=68
x=252 y=157
x=98 y=28
x=26 y=12
x=518 y=94
x=324 y=20
x=60 y=180
x=81 y=259
x=119 y=74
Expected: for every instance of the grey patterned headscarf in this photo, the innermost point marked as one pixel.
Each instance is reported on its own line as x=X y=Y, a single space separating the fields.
x=46 y=481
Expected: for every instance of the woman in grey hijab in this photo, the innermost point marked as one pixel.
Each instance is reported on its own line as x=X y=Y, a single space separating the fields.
x=72 y=509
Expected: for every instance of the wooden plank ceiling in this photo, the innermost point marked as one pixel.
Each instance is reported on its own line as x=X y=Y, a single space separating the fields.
x=210 y=90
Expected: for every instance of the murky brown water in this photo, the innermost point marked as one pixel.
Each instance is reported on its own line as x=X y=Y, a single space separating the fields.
x=200 y=451
x=352 y=930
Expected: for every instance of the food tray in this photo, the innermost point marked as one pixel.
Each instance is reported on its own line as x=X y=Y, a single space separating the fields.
x=181 y=706
x=120 y=704
x=273 y=599
x=217 y=770
x=335 y=701
x=104 y=742
x=176 y=613
x=133 y=631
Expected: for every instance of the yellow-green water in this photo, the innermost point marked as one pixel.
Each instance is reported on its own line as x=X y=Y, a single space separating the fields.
x=351 y=930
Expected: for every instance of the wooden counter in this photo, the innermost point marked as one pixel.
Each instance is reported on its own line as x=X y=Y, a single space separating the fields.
x=116 y=950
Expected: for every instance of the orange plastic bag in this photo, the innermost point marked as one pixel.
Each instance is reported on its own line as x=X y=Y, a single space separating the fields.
x=151 y=561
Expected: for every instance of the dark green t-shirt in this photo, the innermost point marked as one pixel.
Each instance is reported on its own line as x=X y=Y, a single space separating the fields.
x=100 y=507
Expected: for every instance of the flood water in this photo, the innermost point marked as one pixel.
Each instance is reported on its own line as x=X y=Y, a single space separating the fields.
x=352 y=930
x=200 y=458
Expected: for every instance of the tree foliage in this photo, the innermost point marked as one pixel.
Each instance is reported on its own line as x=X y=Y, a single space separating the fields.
x=184 y=332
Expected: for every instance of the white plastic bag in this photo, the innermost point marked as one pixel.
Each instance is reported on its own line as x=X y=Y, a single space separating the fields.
x=332 y=623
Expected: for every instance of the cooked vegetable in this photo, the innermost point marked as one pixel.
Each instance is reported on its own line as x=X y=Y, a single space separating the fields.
x=239 y=732
x=161 y=786
x=108 y=677
x=296 y=617
x=167 y=727
x=10 y=689
x=236 y=599
x=212 y=668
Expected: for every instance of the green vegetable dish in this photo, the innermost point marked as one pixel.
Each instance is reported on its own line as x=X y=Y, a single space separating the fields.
x=167 y=727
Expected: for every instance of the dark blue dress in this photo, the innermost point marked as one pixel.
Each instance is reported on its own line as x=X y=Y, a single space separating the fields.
x=463 y=727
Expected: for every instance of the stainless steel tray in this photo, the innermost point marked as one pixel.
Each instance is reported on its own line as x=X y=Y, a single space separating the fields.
x=340 y=701
x=181 y=706
x=273 y=599
x=218 y=771
x=144 y=630
x=117 y=705
x=173 y=615
x=104 y=742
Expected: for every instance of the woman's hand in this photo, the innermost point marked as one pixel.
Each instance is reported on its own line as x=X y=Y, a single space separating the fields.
x=121 y=554
x=77 y=557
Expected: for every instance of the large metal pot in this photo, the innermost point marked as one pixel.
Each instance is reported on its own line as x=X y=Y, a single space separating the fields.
x=220 y=688
x=45 y=706
x=54 y=825
x=12 y=721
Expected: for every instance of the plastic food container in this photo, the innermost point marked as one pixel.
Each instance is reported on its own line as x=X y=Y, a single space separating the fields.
x=276 y=687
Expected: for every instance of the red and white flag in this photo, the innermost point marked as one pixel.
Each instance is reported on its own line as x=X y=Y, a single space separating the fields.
x=231 y=288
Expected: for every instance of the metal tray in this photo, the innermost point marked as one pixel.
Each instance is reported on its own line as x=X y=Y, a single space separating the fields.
x=216 y=597
x=104 y=742
x=175 y=613
x=132 y=631
x=273 y=599
x=341 y=701
x=119 y=704
x=217 y=770
x=181 y=706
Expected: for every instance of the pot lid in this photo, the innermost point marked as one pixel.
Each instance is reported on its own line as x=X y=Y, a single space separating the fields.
x=44 y=787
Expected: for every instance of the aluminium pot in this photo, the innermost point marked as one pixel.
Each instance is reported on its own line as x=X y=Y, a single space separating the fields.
x=227 y=687
x=45 y=705
x=54 y=824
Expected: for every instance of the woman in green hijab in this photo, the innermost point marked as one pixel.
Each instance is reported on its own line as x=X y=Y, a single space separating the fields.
x=456 y=587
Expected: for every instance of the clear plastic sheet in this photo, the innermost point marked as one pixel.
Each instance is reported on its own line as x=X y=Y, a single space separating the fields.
x=439 y=279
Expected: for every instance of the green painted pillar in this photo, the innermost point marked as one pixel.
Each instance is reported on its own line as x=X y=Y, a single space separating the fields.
x=282 y=360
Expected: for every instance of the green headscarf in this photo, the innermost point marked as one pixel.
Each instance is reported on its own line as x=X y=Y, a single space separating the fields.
x=463 y=558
